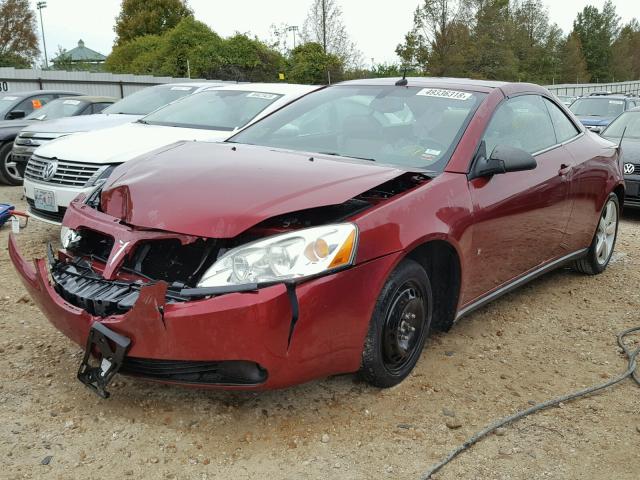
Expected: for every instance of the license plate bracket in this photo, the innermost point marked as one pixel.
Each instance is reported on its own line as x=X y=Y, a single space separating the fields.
x=111 y=348
x=45 y=200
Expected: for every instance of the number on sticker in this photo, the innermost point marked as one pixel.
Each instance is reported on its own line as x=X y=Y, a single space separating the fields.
x=442 y=93
x=4 y=87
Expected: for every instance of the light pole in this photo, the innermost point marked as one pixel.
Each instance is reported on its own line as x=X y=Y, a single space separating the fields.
x=294 y=29
x=40 y=6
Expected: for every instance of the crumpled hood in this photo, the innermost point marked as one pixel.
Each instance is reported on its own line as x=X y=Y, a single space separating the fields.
x=211 y=190
x=630 y=150
x=590 y=121
x=122 y=143
x=81 y=123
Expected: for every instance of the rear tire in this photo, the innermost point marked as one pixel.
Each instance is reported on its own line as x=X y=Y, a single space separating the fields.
x=604 y=240
x=399 y=326
x=8 y=169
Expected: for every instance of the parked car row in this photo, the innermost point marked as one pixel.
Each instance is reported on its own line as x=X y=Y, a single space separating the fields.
x=266 y=235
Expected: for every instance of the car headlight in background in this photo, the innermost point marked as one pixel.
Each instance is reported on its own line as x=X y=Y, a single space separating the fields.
x=101 y=175
x=290 y=256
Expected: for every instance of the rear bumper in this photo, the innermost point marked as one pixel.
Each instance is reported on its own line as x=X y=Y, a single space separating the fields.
x=333 y=314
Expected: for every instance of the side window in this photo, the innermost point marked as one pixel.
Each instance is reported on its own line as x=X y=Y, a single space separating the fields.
x=98 y=107
x=30 y=104
x=521 y=122
x=565 y=129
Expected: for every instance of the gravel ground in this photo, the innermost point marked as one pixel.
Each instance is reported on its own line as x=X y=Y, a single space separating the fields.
x=553 y=336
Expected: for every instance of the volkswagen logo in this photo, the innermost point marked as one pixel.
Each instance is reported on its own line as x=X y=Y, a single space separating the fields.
x=49 y=170
x=629 y=168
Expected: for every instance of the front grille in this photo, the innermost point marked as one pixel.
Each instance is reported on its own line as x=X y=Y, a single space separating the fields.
x=59 y=172
x=30 y=139
x=230 y=372
x=52 y=216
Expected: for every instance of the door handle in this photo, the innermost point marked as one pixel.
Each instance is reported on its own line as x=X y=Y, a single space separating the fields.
x=564 y=169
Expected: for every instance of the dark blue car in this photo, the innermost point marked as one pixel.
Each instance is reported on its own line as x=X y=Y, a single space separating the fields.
x=597 y=111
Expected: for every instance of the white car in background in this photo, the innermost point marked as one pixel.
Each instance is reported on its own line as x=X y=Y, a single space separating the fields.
x=69 y=166
x=129 y=109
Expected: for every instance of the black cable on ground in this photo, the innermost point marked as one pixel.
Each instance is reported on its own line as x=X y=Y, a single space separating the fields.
x=631 y=372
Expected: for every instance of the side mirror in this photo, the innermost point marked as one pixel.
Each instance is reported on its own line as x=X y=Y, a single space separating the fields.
x=503 y=159
x=14 y=114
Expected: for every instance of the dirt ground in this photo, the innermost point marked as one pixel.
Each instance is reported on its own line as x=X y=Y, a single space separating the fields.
x=553 y=336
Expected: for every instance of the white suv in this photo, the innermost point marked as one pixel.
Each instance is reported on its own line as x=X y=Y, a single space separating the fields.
x=66 y=167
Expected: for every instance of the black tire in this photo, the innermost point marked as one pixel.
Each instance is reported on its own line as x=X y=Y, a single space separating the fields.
x=594 y=262
x=399 y=326
x=7 y=176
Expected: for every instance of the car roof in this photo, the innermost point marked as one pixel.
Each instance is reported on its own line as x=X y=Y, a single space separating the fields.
x=279 y=88
x=39 y=92
x=93 y=99
x=484 y=86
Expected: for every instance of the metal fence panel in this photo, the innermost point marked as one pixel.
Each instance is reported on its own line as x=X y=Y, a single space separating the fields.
x=578 y=90
x=89 y=83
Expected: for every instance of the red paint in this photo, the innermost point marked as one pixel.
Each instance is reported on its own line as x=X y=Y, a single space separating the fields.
x=501 y=228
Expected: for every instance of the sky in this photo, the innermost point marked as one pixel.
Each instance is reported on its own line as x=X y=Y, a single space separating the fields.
x=376 y=29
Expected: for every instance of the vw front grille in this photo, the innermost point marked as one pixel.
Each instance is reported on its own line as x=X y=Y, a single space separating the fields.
x=59 y=172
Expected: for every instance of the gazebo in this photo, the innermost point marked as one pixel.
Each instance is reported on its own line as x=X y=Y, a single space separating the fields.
x=80 y=56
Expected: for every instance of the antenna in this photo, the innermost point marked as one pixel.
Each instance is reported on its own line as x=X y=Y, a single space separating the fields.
x=622 y=138
x=403 y=81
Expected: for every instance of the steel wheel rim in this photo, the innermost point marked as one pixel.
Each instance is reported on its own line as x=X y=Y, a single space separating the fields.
x=403 y=327
x=11 y=167
x=606 y=233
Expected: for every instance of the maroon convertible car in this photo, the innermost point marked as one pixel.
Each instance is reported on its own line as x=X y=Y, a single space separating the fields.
x=330 y=237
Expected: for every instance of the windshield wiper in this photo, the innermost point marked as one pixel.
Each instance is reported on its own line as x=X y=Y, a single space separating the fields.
x=336 y=154
x=144 y=122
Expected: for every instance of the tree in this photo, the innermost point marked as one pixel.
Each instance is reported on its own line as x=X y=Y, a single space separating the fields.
x=625 y=59
x=597 y=31
x=439 y=41
x=149 y=17
x=324 y=26
x=139 y=56
x=573 y=66
x=494 y=58
x=18 y=40
x=310 y=64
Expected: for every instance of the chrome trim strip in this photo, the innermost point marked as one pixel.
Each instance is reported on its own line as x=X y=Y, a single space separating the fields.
x=527 y=277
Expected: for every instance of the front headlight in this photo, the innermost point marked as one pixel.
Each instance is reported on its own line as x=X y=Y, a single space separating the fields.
x=290 y=256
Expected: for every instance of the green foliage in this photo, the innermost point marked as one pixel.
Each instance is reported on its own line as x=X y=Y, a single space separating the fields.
x=192 y=47
x=18 y=41
x=597 y=32
x=138 y=18
x=310 y=64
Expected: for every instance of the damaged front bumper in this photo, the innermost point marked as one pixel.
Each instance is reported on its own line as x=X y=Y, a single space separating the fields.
x=271 y=337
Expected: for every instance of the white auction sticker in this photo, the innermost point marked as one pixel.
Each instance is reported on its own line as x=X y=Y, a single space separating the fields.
x=71 y=102
x=264 y=96
x=9 y=98
x=184 y=89
x=441 y=93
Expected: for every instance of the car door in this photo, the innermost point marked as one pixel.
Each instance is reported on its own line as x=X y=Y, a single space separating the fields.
x=519 y=217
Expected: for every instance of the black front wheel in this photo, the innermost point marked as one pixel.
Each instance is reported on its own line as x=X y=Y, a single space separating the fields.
x=9 y=173
x=399 y=326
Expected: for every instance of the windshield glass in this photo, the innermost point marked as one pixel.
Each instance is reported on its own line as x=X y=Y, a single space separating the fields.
x=628 y=120
x=405 y=126
x=6 y=104
x=62 y=107
x=597 y=107
x=214 y=109
x=146 y=101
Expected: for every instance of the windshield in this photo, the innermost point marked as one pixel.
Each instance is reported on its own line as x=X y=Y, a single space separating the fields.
x=146 y=101
x=405 y=126
x=597 y=107
x=62 y=107
x=214 y=109
x=628 y=120
x=6 y=104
